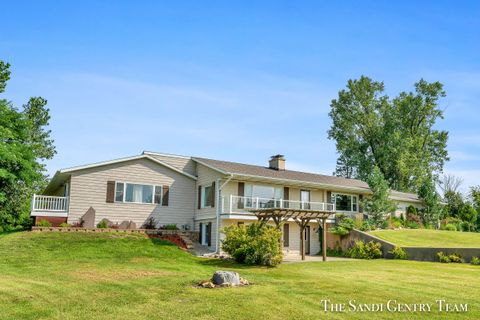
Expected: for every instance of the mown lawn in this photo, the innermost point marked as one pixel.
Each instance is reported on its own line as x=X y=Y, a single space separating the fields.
x=430 y=238
x=109 y=276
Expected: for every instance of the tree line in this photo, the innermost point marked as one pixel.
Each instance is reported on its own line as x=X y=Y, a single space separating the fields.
x=25 y=144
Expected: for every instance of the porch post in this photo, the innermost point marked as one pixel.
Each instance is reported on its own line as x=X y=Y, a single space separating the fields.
x=302 y=241
x=324 y=239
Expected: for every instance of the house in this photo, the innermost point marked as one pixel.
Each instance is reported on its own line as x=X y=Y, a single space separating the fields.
x=199 y=194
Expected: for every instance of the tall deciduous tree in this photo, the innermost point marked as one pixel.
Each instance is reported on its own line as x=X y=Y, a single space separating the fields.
x=24 y=145
x=396 y=135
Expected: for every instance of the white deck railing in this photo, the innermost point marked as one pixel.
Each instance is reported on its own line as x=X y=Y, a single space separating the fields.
x=238 y=204
x=49 y=203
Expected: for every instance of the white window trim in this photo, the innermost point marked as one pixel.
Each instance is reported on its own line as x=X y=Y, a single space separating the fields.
x=351 y=205
x=143 y=184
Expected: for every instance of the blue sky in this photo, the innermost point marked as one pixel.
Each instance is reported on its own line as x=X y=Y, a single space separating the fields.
x=232 y=80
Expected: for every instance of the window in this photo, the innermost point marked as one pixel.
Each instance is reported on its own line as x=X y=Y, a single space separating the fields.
x=207 y=196
x=265 y=194
x=305 y=199
x=345 y=202
x=137 y=193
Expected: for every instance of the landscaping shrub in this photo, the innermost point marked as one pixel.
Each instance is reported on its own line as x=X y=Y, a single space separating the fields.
x=343 y=225
x=395 y=223
x=367 y=225
x=337 y=252
x=475 y=261
x=412 y=217
x=466 y=226
x=253 y=244
x=442 y=257
x=362 y=250
x=64 y=225
x=44 y=223
x=171 y=226
x=454 y=257
x=102 y=224
x=412 y=225
x=150 y=223
x=450 y=227
x=398 y=253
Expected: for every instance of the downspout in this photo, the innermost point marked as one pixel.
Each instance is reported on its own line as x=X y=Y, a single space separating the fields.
x=219 y=210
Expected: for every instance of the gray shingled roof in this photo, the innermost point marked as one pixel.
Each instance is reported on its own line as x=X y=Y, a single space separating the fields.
x=259 y=171
x=248 y=169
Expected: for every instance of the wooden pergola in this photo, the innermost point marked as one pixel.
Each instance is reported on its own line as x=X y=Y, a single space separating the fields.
x=302 y=217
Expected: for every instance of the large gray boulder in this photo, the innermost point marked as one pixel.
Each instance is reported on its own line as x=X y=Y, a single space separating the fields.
x=226 y=278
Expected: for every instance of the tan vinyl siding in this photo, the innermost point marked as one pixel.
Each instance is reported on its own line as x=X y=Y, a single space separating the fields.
x=185 y=164
x=206 y=177
x=88 y=189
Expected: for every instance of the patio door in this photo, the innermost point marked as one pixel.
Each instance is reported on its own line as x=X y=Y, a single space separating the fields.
x=304 y=199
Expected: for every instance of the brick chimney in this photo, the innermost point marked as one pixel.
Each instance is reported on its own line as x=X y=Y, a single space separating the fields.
x=277 y=162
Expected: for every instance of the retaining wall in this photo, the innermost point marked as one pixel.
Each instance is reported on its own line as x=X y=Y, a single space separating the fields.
x=413 y=253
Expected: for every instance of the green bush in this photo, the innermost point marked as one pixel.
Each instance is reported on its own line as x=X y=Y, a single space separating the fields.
x=343 y=225
x=454 y=257
x=450 y=227
x=253 y=244
x=412 y=225
x=102 y=224
x=398 y=253
x=368 y=225
x=442 y=257
x=337 y=252
x=44 y=223
x=475 y=261
x=172 y=226
x=64 y=225
x=395 y=223
x=362 y=250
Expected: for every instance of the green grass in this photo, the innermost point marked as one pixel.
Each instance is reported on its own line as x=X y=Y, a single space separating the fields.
x=108 y=276
x=429 y=238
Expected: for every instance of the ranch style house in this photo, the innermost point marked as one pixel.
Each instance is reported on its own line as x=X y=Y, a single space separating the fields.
x=202 y=195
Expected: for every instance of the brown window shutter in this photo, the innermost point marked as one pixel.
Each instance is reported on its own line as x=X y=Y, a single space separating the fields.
x=286 y=235
x=360 y=199
x=166 y=193
x=110 y=191
x=286 y=196
x=209 y=228
x=199 y=197
x=213 y=195
x=241 y=193
x=200 y=233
